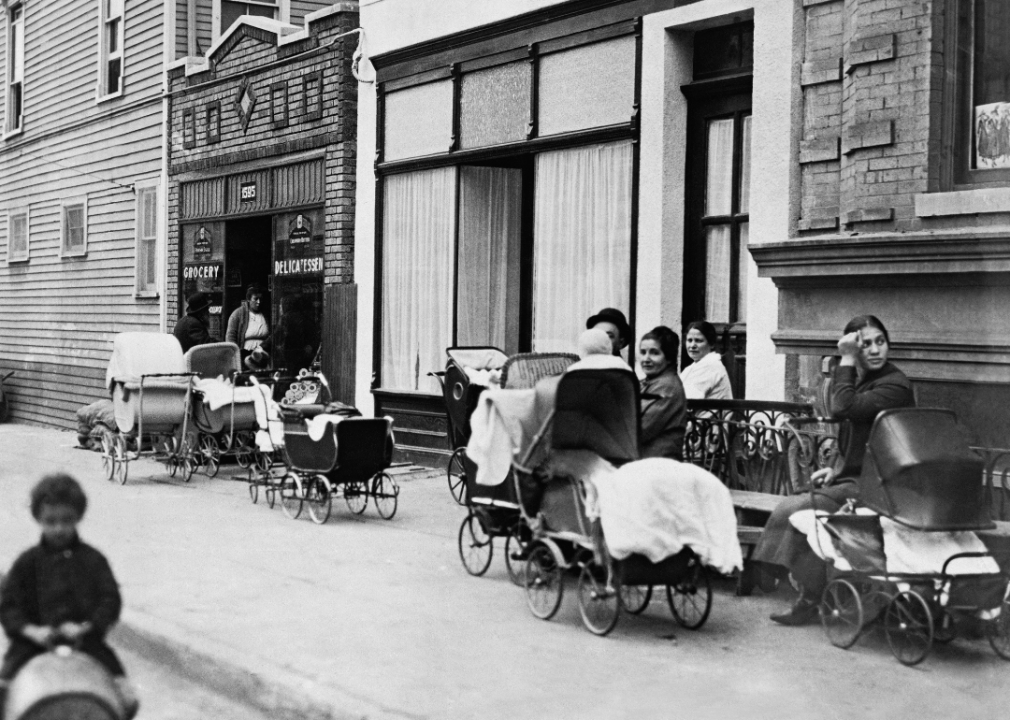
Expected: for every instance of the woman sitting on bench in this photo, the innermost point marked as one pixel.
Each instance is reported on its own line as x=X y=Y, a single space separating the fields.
x=864 y=384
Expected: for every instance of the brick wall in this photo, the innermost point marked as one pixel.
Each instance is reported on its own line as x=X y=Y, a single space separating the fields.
x=253 y=59
x=868 y=99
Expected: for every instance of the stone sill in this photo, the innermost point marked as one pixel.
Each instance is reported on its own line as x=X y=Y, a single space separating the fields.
x=963 y=202
x=880 y=254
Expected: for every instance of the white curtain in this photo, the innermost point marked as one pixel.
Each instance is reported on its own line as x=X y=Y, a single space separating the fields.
x=582 y=240
x=490 y=217
x=719 y=190
x=417 y=269
x=718 y=251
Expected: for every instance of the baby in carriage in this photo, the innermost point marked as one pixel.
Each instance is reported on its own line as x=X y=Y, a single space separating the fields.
x=61 y=590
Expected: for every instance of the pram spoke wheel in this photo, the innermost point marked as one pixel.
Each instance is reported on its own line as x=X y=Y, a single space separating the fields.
x=908 y=625
x=690 y=599
x=457 y=476
x=475 y=545
x=542 y=578
x=291 y=496
x=356 y=497
x=516 y=551
x=319 y=496
x=999 y=632
x=263 y=461
x=243 y=447
x=842 y=613
x=254 y=490
x=108 y=457
x=385 y=492
x=120 y=459
x=635 y=598
x=210 y=455
x=599 y=605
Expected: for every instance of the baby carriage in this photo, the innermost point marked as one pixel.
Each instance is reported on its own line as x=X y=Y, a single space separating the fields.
x=597 y=411
x=494 y=509
x=467 y=374
x=326 y=452
x=225 y=407
x=909 y=558
x=151 y=391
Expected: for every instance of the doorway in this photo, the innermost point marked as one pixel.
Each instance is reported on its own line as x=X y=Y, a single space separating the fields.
x=247 y=256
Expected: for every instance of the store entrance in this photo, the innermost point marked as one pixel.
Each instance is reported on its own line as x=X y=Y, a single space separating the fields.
x=247 y=256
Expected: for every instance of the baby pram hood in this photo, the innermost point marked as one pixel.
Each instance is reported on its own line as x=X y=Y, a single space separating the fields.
x=143 y=353
x=597 y=410
x=477 y=358
x=920 y=471
x=214 y=359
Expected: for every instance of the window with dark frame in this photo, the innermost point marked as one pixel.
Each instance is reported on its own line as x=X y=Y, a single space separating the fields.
x=279 y=104
x=213 y=118
x=111 y=81
x=312 y=95
x=232 y=11
x=982 y=136
x=16 y=67
x=189 y=129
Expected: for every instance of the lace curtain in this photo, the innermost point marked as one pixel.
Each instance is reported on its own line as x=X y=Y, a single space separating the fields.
x=419 y=226
x=582 y=240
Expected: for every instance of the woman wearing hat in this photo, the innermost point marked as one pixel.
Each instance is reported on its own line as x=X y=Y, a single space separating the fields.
x=191 y=330
x=612 y=322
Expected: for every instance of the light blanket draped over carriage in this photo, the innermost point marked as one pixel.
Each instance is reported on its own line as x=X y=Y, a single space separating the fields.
x=650 y=507
x=137 y=354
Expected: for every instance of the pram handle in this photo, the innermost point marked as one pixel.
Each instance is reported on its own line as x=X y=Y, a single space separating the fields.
x=959 y=556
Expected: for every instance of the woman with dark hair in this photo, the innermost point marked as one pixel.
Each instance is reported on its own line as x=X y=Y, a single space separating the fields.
x=664 y=407
x=248 y=326
x=705 y=378
x=864 y=384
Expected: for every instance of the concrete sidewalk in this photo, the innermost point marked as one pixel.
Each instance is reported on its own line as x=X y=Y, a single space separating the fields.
x=363 y=617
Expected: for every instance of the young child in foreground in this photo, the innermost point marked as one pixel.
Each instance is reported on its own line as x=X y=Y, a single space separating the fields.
x=60 y=590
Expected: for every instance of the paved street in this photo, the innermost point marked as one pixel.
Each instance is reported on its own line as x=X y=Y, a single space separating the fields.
x=364 y=617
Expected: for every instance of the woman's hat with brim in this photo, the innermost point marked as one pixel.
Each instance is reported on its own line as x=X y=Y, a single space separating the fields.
x=197 y=303
x=615 y=316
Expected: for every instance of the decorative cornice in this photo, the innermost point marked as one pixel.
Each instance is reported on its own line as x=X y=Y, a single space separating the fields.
x=885 y=254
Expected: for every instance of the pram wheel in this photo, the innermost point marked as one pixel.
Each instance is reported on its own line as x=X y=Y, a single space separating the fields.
x=999 y=632
x=291 y=496
x=516 y=550
x=263 y=461
x=120 y=459
x=475 y=545
x=210 y=455
x=599 y=601
x=254 y=490
x=385 y=492
x=108 y=458
x=542 y=578
x=356 y=497
x=457 y=476
x=944 y=630
x=908 y=625
x=243 y=447
x=319 y=496
x=635 y=598
x=842 y=613
x=690 y=599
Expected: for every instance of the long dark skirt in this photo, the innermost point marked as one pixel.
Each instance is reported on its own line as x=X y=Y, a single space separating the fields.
x=783 y=548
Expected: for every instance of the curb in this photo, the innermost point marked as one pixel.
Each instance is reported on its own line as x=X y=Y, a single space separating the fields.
x=273 y=690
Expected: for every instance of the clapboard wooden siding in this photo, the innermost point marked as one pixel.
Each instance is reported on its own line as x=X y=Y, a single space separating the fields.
x=58 y=314
x=301 y=8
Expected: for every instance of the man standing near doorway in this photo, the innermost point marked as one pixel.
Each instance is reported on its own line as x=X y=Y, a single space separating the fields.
x=191 y=330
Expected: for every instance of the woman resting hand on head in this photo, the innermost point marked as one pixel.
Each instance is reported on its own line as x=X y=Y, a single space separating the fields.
x=705 y=378
x=865 y=383
x=664 y=406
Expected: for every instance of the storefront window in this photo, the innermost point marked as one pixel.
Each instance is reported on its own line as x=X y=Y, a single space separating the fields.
x=418 y=121
x=494 y=105
x=582 y=239
x=419 y=230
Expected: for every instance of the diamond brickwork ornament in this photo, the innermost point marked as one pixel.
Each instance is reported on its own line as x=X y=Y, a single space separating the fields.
x=245 y=103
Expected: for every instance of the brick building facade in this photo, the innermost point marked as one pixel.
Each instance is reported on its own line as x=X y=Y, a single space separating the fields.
x=899 y=212
x=261 y=181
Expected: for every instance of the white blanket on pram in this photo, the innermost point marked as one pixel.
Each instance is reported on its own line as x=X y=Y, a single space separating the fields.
x=218 y=393
x=906 y=550
x=655 y=507
x=498 y=426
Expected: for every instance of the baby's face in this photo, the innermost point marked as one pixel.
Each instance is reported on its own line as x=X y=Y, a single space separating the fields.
x=59 y=524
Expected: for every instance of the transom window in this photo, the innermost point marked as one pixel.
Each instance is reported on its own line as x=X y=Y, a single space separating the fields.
x=111 y=66
x=16 y=67
x=74 y=228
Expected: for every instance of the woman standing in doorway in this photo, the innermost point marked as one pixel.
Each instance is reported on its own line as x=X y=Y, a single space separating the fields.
x=705 y=378
x=248 y=326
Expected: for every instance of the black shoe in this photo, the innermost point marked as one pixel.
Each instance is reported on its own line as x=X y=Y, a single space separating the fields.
x=804 y=612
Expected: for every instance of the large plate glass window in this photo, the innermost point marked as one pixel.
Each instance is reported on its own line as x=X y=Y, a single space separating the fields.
x=15 y=66
x=419 y=228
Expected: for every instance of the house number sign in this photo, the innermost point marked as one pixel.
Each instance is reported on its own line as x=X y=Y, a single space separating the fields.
x=247 y=192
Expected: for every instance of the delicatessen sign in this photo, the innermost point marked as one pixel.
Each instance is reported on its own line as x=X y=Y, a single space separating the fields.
x=299 y=266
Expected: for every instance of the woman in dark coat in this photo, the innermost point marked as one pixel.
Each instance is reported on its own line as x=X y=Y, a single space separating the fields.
x=864 y=384
x=664 y=407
